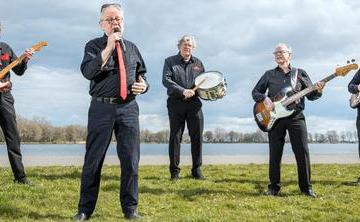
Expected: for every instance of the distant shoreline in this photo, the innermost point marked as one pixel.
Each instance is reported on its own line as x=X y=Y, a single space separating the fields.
x=31 y=161
x=84 y=142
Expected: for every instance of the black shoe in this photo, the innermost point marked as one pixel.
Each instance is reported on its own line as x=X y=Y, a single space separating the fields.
x=23 y=181
x=358 y=181
x=197 y=175
x=175 y=177
x=272 y=192
x=133 y=216
x=309 y=193
x=81 y=217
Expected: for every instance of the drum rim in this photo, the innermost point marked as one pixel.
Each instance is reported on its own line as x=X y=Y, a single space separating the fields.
x=208 y=72
x=222 y=76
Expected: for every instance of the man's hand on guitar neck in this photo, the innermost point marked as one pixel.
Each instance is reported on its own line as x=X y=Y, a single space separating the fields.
x=269 y=105
x=320 y=86
x=5 y=86
x=28 y=54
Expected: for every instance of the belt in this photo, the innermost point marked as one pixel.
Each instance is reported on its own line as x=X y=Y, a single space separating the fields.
x=109 y=100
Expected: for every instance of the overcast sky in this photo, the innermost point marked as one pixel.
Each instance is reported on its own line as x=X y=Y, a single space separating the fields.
x=234 y=37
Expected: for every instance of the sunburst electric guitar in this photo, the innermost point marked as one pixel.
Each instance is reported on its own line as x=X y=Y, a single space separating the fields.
x=14 y=63
x=266 y=119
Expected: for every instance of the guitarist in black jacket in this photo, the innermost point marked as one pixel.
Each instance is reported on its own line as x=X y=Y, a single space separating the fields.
x=272 y=82
x=7 y=111
x=354 y=88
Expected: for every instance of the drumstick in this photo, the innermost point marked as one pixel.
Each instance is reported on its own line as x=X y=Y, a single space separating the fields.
x=200 y=83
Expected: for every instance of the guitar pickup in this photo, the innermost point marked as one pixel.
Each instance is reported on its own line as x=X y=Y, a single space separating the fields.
x=259 y=117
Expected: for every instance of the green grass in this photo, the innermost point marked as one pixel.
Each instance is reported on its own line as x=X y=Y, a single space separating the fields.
x=230 y=193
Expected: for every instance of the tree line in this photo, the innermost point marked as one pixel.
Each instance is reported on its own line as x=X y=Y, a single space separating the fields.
x=39 y=130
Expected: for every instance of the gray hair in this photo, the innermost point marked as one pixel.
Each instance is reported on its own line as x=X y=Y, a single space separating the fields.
x=115 y=5
x=285 y=46
x=187 y=38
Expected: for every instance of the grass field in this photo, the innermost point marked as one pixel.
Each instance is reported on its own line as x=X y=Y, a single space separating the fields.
x=230 y=193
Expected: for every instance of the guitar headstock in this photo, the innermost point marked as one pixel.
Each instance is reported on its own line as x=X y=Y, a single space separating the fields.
x=343 y=70
x=39 y=45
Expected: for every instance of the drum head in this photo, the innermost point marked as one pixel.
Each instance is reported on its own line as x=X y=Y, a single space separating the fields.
x=212 y=79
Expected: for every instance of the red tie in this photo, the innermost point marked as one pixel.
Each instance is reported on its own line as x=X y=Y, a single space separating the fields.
x=122 y=71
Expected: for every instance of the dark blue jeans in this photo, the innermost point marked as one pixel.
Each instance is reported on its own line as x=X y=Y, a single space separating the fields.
x=358 y=128
x=180 y=112
x=103 y=119
x=11 y=134
x=298 y=139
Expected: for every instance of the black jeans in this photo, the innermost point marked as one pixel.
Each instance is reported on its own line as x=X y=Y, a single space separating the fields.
x=102 y=121
x=181 y=111
x=11 y=134
x=298 y=139
x=358 y=128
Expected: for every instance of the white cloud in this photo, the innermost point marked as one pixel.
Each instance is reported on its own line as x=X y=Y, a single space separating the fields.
x=59 y=95
x=234 y=37
x=322 y=124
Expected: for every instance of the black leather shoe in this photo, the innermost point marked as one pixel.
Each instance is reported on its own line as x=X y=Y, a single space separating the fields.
x=175 y=177
x=197 y=175
x=272 y=192
x=358 y=181
x=133 y=216
x=309 y=193
x=24 y=181
x=81 y=217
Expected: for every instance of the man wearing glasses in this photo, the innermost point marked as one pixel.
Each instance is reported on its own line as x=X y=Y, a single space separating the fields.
x=116 y=71
x=7 y=110
x=354 y=88
x=272 y=82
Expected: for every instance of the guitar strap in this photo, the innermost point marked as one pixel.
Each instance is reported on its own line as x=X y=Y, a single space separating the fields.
x=293 y=78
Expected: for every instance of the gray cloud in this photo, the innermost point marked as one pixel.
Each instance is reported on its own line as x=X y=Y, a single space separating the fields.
x=235 y=37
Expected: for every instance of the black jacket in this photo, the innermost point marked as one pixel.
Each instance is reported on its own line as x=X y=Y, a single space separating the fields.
x=104 y=82
x=179 y=75
x=275 y=80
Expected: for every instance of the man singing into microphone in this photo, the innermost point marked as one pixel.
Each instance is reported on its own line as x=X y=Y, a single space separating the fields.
x=116 y=76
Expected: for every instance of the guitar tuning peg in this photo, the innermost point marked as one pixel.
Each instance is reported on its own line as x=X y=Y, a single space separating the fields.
x=348 y=62
x=353 y=60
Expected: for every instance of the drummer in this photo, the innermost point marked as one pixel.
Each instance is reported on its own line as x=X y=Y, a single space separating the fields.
x=183 y=104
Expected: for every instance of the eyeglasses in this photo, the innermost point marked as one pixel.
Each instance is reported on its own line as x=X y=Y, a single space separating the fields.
x=108 y=5
x=111 y=20
x=280 y=52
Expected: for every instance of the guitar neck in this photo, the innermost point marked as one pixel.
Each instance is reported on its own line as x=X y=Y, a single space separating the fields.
x=306 y=91
x=11 y=65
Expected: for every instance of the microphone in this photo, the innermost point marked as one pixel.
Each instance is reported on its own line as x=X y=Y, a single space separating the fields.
x=121 y=39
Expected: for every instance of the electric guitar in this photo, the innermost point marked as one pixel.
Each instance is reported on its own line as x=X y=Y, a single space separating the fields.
x=266 y=119
x=354 y=100
x=35 y=47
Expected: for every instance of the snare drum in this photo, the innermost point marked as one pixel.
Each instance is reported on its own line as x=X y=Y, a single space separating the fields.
x=213 y=87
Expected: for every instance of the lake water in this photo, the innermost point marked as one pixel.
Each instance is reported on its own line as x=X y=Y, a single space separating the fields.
x=162 y=149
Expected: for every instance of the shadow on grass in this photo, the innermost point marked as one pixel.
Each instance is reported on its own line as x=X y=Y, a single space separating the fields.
x=352 y=183
x=153 y=178
x=284 y=183
x=69 y=175
x=10 y=212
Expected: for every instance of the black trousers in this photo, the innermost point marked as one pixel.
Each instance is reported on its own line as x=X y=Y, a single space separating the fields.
x=11 y=134
x=103 y=119
x=181 y=111
x=358 y=128
x=298 y=139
